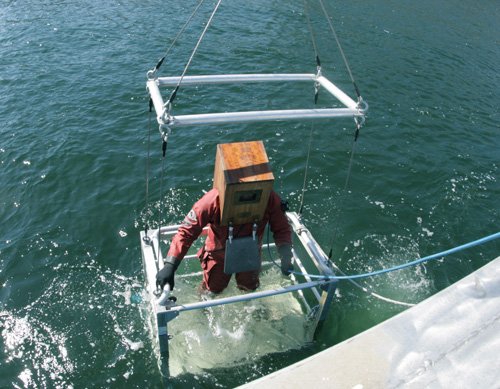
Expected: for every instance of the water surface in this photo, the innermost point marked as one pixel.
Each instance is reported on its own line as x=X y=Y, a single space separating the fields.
x=73 y=150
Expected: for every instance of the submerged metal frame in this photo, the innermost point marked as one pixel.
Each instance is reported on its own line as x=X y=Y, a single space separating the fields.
x=352 y=108
x=166 y=310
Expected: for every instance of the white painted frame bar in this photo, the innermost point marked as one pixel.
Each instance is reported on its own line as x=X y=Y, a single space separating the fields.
x=164 y=117
x=235 y=79
x=259 y=116
x=314 y=250
x=243 y=297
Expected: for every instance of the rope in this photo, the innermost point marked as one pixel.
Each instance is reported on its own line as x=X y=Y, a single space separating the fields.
x=307 y=168
x=312 y=35
x=358 y=124
x=416 y=262
x=381 y=297
x=308 y=155
x=343 y=193
x=366 y=290
x=172 y=97
x=174 y=93
x=341 y=50
x=164 y=150
x=338 y=269
x=318 y=63
x=147 y=167
x=177 y=37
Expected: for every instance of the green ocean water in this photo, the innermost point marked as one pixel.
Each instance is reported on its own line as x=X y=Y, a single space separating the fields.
x=73 y=151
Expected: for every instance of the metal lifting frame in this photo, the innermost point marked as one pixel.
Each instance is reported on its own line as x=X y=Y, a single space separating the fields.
x=164 y=117
x=165 y=310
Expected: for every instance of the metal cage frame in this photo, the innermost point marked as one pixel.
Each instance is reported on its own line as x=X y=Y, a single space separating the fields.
x=163 y=109
x=166 y=310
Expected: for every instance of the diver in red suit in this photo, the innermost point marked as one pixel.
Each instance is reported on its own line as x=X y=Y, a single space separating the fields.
x=205 y=212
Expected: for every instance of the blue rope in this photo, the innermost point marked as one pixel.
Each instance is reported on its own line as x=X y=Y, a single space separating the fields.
x=434 y=256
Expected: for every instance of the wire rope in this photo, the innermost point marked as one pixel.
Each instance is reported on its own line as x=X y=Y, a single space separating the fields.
x=172 y=97
x=343 y=194
x=174 y=93
x=146 y=227
x=340 y=48
x=311 y=31
x=315 y=104
x=307 y=168
x=160 y=62
x=164 y=149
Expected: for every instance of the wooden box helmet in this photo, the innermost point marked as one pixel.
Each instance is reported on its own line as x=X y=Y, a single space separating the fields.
x=244 y=180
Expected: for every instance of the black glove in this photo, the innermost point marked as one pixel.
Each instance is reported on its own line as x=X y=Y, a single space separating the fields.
x=285 y=252
x=166 y=274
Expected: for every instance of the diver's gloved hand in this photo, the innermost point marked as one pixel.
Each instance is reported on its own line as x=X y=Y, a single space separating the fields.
x=166 y=275
x=285 y=252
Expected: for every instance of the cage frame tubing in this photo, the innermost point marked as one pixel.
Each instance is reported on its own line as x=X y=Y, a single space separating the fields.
x=176 y=309
x=259 y=116
x=318 y=256
x=321 y=261
x=164 y=118
x=259 y=78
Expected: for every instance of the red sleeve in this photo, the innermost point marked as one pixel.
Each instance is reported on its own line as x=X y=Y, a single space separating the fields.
x=200 y=215
x=279 y=223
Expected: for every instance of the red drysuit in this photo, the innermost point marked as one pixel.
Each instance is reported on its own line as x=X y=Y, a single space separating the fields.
x=207 y=212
